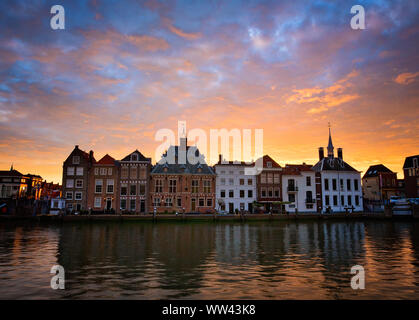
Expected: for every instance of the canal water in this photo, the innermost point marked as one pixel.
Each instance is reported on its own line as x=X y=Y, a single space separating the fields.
x=196 y=260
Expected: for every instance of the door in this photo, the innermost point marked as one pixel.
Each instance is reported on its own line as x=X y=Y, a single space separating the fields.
x=193 y=205
x=251 y=207
x=108 y=204
x=231 y=207
x=142 y=206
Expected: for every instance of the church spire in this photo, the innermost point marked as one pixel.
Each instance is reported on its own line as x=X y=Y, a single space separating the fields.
x=330 y=147
x=11 y=167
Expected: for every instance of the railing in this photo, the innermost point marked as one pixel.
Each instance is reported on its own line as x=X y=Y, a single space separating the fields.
x=310 y=200
x=292 y=188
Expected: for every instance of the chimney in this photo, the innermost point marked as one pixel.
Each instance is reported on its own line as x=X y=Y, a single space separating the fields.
x=340 y=154
x=321 y=153
x=220 y=157
x=76 y=147
x=91 y=156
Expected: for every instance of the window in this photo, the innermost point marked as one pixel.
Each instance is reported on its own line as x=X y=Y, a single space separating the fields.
x=269 y=164
x=415 y=162
x=263 y=193
x=276 y=178
x=168 y=202
x=69 y=183
x=124 y=190
x=179 y=202
x=348 y=184
x=98 y=202
x=231 y=193
x=70 y=171
x=357 y=200
x=77 y=195
x=231 y=182
x=291 y=197
x=142 y=189
x=69 y=195
x=263 y=178
x=76 y=159
x=109 y=186
x=98 y=185
x=250 y=193
x=349 y=200
x=70 y=206
x=276 y=193
x=158 y=186
x=172 y=185
x=133 y=173
x=79 y=171
x=223 y=181
x=241 y=182
x=335 y=200
x=341 y=184
x=209 y=202
x=132 y=204
x=342 y=200
x=308 y=181
x=241 y=206
x=223 y=194
x=270 y=177
x=249 y=182
x=79 y=183
x=96 y=171
x=356 y=184
x=241 y=172
x=309 y=196
x=270 y=193
x=326 y=184
x=334 y=184
x=143 y=173
x=123 y=204
x=207 y=186
x=124 y=172
x=109 y=171
x=103 y=171
x=201 y=202
x=195 y=184
x=156 y=202
x=241 y=193
x=133 y=190
x=134 y=157
x=326 y=200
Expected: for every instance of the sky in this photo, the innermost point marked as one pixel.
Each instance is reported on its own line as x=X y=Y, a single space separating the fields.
x=122 y=70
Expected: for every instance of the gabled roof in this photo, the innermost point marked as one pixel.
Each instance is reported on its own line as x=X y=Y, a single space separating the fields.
x=182 y=168
x=107 y=159
x=139 y=154
x=375 y=170
x=267 y=159
x=408 y=162
x=79 y=152
x=10 y=173
x=332 y=164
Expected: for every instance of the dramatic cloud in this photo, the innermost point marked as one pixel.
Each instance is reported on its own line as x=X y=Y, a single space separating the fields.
x=121 y=71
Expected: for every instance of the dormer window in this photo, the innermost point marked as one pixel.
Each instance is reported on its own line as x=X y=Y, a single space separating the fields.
x=269 y=164
x=134 y=157
x=76 y=159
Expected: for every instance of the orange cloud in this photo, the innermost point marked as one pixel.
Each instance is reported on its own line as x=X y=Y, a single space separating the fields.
x=179 y=32
x=406 y=78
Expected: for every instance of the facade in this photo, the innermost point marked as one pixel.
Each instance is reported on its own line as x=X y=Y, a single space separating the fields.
x=102 y=190
x=12 y=184
x=235 y=191
x=379 y=183
x=299 y=188
x=34 y=186
x=177 y=185
x=268 y=184
x=51 y=190
x=338 y=185
x=134 y=183
x=411 y=176
x=75 y=179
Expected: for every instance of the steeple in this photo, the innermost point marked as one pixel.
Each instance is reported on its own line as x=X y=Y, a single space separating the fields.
x=330 y=147
x=11 y=167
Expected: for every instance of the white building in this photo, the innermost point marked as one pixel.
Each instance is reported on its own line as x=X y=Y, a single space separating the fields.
x=234 y=190
x=299 y=188
x=339 y=184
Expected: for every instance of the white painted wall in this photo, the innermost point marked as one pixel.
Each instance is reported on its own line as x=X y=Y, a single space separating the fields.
x=300 y=195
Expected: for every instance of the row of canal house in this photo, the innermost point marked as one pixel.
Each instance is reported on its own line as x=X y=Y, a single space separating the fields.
x=176 y=184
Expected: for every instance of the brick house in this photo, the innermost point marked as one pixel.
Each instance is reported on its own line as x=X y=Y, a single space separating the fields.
x=134 y=178
x=379 y=183
x=269 y=185
x=102 y=192
x=75 y=179
x=411 y=176
x=181 y=186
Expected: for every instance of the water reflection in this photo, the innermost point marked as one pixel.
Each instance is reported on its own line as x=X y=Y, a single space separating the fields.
x=281 y=260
